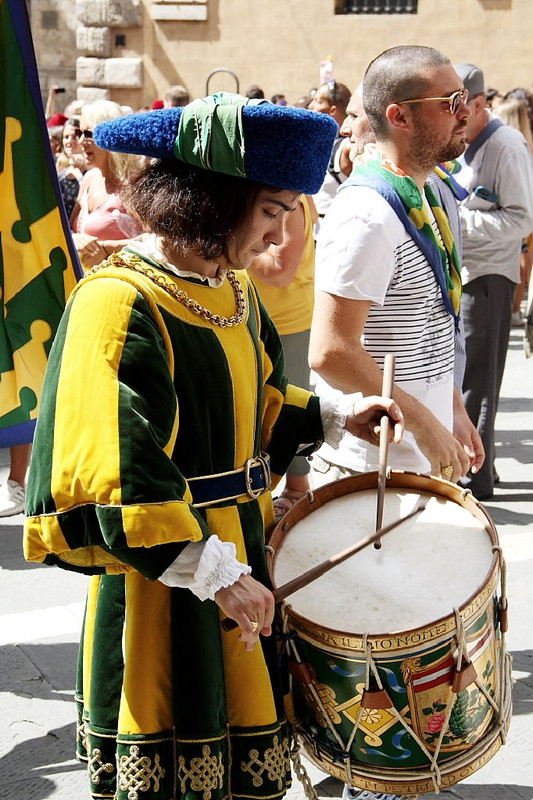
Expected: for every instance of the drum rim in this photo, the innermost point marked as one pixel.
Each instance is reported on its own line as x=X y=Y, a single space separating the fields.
x=315 y=499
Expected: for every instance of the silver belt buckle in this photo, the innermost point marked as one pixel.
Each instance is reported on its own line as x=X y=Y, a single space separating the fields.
x=261 y=461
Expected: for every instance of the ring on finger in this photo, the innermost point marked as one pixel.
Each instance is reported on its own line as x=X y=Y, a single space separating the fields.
x=447 y=472
x=255 y=626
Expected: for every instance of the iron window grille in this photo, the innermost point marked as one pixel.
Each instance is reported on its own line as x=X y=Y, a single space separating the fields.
x=377 y=7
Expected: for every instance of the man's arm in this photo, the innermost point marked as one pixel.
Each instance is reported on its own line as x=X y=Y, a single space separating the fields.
x=337 y=355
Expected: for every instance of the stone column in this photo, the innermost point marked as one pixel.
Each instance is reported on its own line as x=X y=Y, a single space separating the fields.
x=96 y=71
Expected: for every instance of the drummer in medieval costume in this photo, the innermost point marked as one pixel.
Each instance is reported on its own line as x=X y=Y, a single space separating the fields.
x=165 y=422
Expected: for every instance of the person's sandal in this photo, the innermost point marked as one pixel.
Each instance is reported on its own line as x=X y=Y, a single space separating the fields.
x=286 y=500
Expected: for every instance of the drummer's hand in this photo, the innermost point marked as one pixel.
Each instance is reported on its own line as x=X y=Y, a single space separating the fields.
x=248 y=601
x=441 y=448
x=366 y=416
x=466 y=432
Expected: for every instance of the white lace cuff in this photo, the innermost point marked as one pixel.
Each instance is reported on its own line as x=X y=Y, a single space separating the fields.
x=205 y=567
x=333 y=410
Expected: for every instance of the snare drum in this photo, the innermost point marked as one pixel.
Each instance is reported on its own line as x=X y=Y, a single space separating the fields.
x=400 y=678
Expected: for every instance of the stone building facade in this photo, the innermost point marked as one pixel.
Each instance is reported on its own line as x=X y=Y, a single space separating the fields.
x=130 y=51
x=53 y=26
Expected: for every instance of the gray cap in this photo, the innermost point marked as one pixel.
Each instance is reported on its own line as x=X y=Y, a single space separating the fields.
x=472 y=78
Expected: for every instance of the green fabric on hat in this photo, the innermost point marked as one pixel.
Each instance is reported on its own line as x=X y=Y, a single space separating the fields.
x=211 y=135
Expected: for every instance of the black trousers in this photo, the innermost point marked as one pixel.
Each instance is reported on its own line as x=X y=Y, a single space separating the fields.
x=486 y=308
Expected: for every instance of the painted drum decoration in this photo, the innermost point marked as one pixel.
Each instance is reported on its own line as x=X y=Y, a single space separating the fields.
x=400 y=678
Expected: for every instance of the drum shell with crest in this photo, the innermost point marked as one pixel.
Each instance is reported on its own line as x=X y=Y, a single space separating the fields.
x=395 y=620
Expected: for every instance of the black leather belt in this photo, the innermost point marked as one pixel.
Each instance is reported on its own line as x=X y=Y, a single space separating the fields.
x=253 y=480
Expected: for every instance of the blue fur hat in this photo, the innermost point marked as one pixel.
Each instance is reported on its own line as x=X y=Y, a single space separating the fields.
x=280 y=146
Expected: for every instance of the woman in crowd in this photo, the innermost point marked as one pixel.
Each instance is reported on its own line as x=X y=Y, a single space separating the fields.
x=71 y=173
x=152 y=465
x=55 y=136
x=99 y=220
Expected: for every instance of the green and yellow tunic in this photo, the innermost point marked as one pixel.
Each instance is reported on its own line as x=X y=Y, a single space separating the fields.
x=142 y=394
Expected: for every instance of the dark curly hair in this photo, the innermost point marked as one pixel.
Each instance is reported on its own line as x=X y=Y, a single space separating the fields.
x=193 y=209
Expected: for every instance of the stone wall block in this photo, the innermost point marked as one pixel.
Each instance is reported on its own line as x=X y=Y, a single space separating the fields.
x=110 y=73
x=123 y=73
x=94 y=41
x=90 y=94
x=111 y=13
x=190 y=12
x=90 y=71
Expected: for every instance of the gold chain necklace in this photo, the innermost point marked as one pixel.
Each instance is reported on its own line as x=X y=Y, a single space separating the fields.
x=136 y=264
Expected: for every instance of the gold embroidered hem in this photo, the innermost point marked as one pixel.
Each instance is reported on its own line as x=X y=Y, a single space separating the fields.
x=253 y=765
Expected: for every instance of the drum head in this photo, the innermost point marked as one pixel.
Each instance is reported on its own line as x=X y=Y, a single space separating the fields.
x=425 y=568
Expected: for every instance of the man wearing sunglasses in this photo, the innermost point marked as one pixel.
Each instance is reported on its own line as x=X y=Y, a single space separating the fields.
x=331 y=98
x=496 y=216
x=388 y=274
x=388 y=270
x=358 y=130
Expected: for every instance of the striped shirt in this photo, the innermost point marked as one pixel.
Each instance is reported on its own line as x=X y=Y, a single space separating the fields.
x=364 y=253
x=412 y=322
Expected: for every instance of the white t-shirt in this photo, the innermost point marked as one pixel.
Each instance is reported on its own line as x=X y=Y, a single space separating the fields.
x=365 y=253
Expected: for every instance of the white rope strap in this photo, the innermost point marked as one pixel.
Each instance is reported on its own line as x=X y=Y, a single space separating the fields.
x=504 y=679
x=434 y=769
x=292 y=645
x=369 y=662
x=285 y=627
x=433 y=759
x=460 y=636
x=370 y=665
x=462 y=651
x=507 y=666
x=487 y=696
x=505 y=659
x=496 y=548
x=503 y=605
x=301 y=772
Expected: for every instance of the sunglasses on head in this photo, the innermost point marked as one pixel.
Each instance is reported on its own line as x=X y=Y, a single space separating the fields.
x=332 y=90
x=461 y=95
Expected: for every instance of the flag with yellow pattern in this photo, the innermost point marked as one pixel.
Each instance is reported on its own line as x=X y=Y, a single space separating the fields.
x=38 y=262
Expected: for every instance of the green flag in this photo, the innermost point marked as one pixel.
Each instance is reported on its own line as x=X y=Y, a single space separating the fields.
x=38 y=262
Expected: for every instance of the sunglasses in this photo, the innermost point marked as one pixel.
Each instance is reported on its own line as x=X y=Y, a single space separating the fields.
x=332 y=90
x=461 y=95
x=86 y=134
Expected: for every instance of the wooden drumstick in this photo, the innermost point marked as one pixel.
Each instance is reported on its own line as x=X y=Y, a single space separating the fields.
x=386 y=391
x=317 y=571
